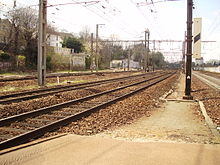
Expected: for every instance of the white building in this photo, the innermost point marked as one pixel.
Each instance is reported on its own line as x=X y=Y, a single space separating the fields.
x=63 y=51
x=76 y=61
x=54 y=40
x=124 y=64
x=199 y=61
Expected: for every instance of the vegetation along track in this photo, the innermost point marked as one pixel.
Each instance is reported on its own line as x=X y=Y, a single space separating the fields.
x=27 y=95
x=21 y=128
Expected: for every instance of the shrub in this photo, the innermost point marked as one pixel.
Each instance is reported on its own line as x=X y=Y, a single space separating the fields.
x=21 y=60
x=4 y=56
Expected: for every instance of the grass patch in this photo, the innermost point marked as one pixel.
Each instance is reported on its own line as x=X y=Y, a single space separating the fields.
x=66 y=82
x=13 y=89
x=14 y=74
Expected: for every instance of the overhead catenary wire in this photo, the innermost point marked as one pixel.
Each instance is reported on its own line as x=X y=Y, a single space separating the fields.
x=148 y=20
x=74 y=3
x=107 y=19
x=119 y=22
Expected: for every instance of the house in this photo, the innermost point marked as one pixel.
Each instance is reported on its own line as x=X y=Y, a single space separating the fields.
x=76 y=61
x=54 y=40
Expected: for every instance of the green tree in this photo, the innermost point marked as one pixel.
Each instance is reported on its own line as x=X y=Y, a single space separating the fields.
x=73 y=43
x=157 y=59
x=137 y=52
x=117 y=52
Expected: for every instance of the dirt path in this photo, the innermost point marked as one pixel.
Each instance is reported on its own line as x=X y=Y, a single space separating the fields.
x=174 y=121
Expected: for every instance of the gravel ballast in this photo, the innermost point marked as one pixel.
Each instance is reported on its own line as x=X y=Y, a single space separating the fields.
x=122 y=112
x=210 y=98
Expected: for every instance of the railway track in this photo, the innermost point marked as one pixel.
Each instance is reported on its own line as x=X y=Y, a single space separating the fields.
x=21 y=128
x=55 y=75
x=27 y=95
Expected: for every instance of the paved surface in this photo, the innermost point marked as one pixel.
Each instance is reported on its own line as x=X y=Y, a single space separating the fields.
x=172 y=135
x=211 y=81
x=79 y=150
x=175 y=122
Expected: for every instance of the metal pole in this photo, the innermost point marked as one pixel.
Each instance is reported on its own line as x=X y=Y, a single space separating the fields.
x=189 y=51
x=184 y=52
x=15 y=4
x=148 y=44
x=42 y=42
x=92 y=55
x=129 y=56
x=96 y=51
x=154 y=48
x=145 y=54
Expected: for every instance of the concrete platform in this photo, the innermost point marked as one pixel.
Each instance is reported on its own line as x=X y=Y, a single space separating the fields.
x=84 y=150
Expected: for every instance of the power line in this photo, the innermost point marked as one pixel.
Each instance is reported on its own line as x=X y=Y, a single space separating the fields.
x=121 y=26
x=74 y=3
x=121 y=22
x=147 y=19
x=215 y=24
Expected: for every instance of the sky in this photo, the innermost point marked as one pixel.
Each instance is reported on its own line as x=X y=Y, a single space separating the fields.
x=128 y=19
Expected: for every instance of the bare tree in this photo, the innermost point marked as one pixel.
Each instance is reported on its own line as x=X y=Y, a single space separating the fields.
x=14 y=32
x=24 y=29
x=84 y=34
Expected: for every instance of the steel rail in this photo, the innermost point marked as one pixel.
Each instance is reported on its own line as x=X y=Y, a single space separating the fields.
x=20 y=96
x=49 y=127
x=22 y=116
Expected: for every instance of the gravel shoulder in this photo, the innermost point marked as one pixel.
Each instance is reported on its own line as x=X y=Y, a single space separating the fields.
x=210 y=98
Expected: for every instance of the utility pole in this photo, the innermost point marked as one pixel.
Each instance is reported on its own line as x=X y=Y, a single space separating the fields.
x=147 y=37
x=97 y=46
x=129 y=56
x=184 y=52
x=15 y=4
x=146 y=45
x=153 y=65
x=41 y=65
x=189 y=51
x=96 y=50
x=92 y=55
x=148 y=50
